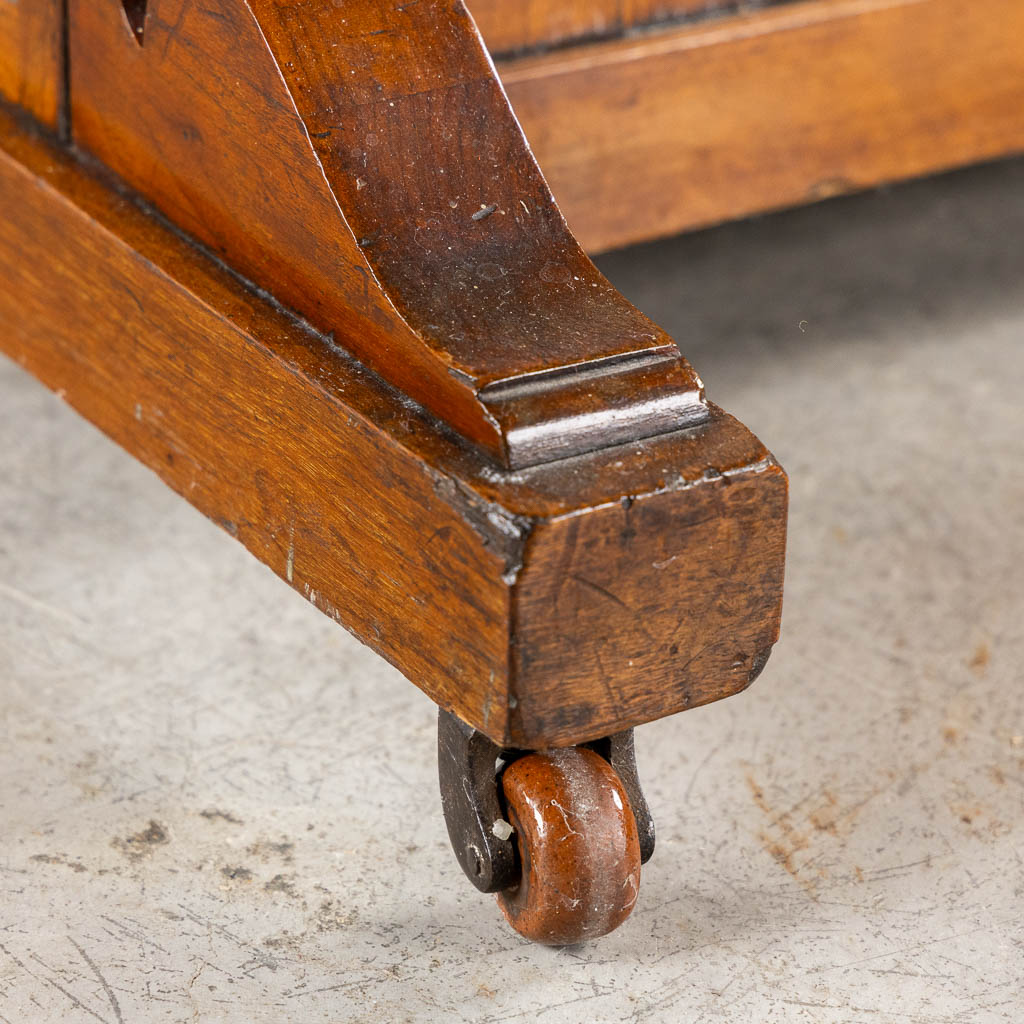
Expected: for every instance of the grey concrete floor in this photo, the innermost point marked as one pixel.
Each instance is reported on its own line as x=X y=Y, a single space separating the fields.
x=216 y=806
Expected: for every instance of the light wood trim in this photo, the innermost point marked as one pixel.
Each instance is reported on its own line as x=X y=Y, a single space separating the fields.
x=521 y=24
x=680 y=129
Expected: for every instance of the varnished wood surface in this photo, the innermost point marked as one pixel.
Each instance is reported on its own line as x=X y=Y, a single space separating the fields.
x=665 y=131
x=578 y=847
x=361 y=163
x=677 y=594
x=546 y=607
x=31 y=64
x=684 y=128
x=509 y=25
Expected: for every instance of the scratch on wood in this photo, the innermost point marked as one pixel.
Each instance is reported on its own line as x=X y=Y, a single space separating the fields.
x=603 y=591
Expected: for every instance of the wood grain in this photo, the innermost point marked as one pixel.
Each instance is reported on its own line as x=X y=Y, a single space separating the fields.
x=31 y=66
x=360 y=161
x=679 y=129
x=545 y=607
x=509 y=25
x=691 y=587
x=578 y=846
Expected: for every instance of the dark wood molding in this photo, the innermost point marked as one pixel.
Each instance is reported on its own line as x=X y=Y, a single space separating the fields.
x=513 y=26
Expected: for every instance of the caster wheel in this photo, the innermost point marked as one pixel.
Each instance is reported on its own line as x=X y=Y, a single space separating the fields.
x=578 y=846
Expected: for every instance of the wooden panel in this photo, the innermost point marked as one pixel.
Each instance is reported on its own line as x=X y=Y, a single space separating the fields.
x=686 y=128
x=509 y=25
x=545 y=607
x=30 y=56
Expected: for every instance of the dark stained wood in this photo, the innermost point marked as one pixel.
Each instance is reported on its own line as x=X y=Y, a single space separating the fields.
x=659 y=571
x=31 y=64
x=545 y=606
x=578 y=847
x=360 y=161
x=674 y=130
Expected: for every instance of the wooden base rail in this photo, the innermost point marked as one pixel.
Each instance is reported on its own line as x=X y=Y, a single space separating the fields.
x=546 y=606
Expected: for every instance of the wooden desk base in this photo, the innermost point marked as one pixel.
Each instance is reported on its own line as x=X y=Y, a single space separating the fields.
x=520 y=496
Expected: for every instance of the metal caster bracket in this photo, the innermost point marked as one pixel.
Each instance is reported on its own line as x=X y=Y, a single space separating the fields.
x=469 y=769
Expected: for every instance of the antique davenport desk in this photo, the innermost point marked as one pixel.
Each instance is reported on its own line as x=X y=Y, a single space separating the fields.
x=298 y=258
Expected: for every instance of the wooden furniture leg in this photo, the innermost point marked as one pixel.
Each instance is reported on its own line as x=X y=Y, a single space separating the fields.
x=300 y=261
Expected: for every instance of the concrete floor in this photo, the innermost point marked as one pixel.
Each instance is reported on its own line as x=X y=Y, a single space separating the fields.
x=217 y=806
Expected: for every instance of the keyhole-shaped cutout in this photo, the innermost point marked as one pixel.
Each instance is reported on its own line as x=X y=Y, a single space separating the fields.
x=135 y=12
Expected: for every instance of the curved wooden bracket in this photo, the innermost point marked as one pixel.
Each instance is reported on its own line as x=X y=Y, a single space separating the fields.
x=416 y=226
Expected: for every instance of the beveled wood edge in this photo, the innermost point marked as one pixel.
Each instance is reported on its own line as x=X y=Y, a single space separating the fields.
x=514 y=28
x=599 y=478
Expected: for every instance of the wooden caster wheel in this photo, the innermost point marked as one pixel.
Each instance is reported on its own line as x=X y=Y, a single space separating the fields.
x=578 y=845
